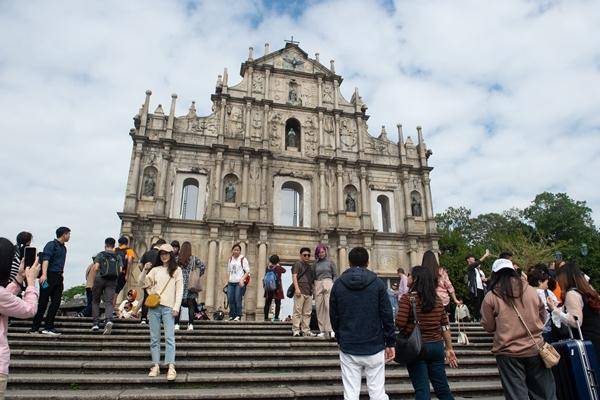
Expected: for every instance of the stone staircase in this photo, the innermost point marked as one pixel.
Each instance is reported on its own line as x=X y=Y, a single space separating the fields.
x=218 y=360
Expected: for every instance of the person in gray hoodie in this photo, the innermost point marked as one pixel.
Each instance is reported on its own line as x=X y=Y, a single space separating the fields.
x=325 y=273
x=361 y=317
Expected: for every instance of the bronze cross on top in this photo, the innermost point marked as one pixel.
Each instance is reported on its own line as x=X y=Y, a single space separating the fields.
x=291 y=41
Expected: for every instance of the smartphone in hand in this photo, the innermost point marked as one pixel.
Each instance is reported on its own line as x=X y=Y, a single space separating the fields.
x=29 y=256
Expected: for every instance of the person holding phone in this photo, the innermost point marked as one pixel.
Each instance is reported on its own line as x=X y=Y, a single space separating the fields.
x=23 y=241
x=51 y=281
x=10 y=304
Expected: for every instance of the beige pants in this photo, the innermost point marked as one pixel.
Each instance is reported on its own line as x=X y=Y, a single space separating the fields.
x=3 y=380
x=322 y=292
x=302 y=310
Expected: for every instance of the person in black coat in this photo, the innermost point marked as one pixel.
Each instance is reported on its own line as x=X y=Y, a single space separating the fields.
x=361 y=317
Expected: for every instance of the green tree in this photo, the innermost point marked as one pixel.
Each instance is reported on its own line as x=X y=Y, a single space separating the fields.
x=72 y=292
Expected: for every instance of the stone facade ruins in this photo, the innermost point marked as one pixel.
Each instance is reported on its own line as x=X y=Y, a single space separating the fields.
x=284 y=161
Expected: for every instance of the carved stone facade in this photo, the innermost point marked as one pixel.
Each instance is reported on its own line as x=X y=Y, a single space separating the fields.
x=220 y=179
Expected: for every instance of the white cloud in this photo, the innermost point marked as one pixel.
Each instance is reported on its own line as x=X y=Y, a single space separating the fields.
x=507 y=92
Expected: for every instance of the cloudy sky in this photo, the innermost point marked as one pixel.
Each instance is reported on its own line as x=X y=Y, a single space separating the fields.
x=507 y=92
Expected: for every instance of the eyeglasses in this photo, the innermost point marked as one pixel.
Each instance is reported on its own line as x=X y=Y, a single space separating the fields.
x=306 y=255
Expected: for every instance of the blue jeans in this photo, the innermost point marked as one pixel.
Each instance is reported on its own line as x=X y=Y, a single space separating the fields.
x=155 y=316
x=235 y=295
x=431 y=368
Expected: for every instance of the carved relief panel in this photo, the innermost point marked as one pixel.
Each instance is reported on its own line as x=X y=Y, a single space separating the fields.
x=257 y=124
x=235 y=120
x=348 y=134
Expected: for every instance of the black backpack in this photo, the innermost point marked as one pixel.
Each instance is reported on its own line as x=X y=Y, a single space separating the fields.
x=110 y=265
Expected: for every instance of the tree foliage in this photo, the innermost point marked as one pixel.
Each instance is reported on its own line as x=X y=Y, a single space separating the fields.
x=552 y=223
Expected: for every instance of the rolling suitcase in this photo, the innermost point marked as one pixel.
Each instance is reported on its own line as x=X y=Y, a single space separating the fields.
x=577 y=373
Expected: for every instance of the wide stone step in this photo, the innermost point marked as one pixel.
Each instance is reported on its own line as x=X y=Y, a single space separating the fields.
x=478 y=390
x=218 y=380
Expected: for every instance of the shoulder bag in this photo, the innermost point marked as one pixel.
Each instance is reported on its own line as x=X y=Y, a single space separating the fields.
x=548 y=354
x=408 y=349
x=462 y=339
x=153 y=300
x=194 y=284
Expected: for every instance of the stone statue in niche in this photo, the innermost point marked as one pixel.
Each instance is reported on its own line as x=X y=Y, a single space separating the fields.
x=291 y=138
x=350 y=203
x=149 y=184
x=415 y=205
x=293 y=97
x=230 y=192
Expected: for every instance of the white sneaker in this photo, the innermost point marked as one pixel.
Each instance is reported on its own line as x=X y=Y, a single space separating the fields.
x=143 y=322
x=321 y=334
x=154 y=371
x=309 y=334
x=51 y=332
x=332 y=334
x=95 y=328
x=176 y=327
x=108 y=328
x=237 y=319
x=190 y=327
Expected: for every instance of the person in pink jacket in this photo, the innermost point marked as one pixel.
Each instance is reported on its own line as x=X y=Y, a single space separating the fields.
x=10 y=304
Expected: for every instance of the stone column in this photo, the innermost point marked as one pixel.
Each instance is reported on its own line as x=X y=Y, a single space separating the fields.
x=244 y=204
x=249 y=81
x=323 y=215
x=321 y=137
x=262 y=266
x=161 y=200
x=430 y=220
x=216 y=204
x=336 y=128
x=221 y=127
x=267 y=84
x=134 y=176
x=336 y=86
x=342 y=255
x=248 y=112
x=319 y=91
x=365 y=200
x=264 y=189
x=144 y=116
x=171 y=120
x=340 y=188
x=211 y=275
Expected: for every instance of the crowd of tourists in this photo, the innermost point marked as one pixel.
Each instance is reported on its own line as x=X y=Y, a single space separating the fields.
x=373 y=324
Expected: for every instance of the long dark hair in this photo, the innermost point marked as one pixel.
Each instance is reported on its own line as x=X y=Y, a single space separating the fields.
x=501 y=284
x=23 y=240
x=431 y=263
x=424 y=284
x=185 y=253
x=172 y=266
x=569 y=276
x=7 y=253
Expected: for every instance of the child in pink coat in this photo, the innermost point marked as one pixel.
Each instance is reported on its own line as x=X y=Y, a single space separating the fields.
x=10 y=304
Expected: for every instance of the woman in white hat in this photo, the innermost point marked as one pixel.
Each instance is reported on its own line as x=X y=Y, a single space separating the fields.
x=165 y=280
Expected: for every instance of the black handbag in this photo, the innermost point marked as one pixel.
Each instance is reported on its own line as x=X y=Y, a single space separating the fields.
x=408 y=349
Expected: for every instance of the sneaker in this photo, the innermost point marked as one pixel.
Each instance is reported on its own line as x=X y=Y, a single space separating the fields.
x=296 y=334
x=95 y=328
x=176 y=327
x=190 y=327
x=32 y=332
x=108 y=328
x=154 y=371
x=309 y=334
x=332 y=334
x=230 y=319
x=237 y=319
x=172 y=374
x=143 y=322
x=321 y=335
x=51 y=332
x=276 y=320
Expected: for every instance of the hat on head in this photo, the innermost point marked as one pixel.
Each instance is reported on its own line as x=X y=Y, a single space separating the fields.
x=501 y=263
x=165 y=247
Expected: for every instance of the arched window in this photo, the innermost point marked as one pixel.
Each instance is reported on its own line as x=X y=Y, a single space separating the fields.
x=384 y=212
x=230 y=183
x=292 y=134
x=189 y=199
x=415 y=204
x=291 y=204
x=350 y=199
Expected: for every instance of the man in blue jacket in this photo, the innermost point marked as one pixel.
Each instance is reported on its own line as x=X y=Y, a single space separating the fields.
x=361 y=317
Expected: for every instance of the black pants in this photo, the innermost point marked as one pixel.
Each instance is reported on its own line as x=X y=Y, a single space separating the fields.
x=268 y=301
x=87 y=311
x=477 y=300
x=526 y=378
x=191 y=304
x=144 y=308
x=53 y=294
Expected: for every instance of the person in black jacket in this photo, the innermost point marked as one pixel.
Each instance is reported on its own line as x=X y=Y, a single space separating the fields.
x=361 y=317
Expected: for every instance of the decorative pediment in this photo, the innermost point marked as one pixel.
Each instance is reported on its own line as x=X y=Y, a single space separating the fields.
x=291 y=58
